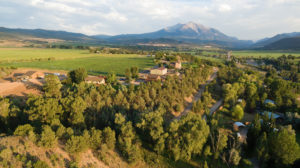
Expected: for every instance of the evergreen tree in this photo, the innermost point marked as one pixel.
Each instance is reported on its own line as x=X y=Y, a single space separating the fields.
x=48 y=138
x=52 y=86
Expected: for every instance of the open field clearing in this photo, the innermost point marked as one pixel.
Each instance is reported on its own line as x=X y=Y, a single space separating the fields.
x=71 y=59
x=263 y=53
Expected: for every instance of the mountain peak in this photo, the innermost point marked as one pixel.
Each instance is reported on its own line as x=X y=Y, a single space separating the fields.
x=190 y=26
x=195 y=27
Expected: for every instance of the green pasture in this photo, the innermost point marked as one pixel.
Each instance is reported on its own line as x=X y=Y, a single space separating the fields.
x=257 y=54
x=29 y=54
x=71 y=59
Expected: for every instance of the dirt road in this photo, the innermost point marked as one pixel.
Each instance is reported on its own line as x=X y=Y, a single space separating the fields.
x=216 y=106
x=198 y=95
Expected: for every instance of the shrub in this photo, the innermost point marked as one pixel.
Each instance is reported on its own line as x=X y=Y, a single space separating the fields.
x=48 y=138
x=23 y=130
x=76 y=144
x=40 y=164
x=95 y=139
x=109 y=138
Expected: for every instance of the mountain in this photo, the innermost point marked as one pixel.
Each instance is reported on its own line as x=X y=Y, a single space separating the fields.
x=292 y=43
x=41 y=33
x=267 y=41
x=188 y=33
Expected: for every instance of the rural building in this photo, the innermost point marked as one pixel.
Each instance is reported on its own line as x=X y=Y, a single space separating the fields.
x=242 y=131
x=95 y=80
x=229 y=55
x=34 y=74
x=151 y=77
x=29 y=75
x=159 y=71
x=270 y=115
x=268 y=101
x=176 y=65
x=238 y=125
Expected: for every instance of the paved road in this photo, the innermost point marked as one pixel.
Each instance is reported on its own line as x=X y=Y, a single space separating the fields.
x=198 y=95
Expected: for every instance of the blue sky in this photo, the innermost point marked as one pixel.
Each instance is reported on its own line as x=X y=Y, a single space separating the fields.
x=245 y=19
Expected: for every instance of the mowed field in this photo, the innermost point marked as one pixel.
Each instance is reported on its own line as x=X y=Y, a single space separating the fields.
x=269 y=54
x=71 y=59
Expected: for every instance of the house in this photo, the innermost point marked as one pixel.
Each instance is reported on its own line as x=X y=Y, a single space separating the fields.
x=238 y=125
x=176 y=65
x=242 y=131
x=144 y=74
x=159 y=71
x=31 y=75
x=267 y=101
x=95 y=80
x=34 y=74
x=229 y=55
x=272 y=115
x=151 y=77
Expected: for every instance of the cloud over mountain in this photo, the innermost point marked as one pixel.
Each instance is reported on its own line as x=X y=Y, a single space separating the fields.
x=247 y=19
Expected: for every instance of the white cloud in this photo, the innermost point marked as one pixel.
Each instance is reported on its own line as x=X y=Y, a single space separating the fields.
x=246 y=19
x=224 y=8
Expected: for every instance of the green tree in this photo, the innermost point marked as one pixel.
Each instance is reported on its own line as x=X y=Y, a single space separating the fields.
x=111 y=78
x=283 y=146
x=4 y=113
x=95 y=139
x=127 y=140
x=152 y=125
x=52 y=86
x=109 y=137
x=43 y=110
x=187 y=136
x=40 y=164
x=77 y=107
x=26 y=131
x=48 y=138
x=128 y=75
x=237 y=112
x=134 y=72
x=77 y=75
x=262 y=149
x=76 y=144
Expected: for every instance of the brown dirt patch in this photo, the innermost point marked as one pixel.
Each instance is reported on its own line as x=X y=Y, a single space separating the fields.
x=32 y=86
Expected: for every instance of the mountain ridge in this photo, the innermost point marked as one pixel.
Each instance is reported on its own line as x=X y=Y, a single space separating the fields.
x=188 y=33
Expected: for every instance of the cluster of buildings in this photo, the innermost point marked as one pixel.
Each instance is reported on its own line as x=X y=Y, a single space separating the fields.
x=158 y=73
x=155 y=73
x=35 y=75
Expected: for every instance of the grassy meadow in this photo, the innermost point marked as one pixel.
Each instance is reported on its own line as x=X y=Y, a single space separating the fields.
x=270 y=54
x=71 y=59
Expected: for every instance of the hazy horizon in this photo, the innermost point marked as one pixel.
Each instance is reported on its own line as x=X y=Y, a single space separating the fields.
x=246 y=20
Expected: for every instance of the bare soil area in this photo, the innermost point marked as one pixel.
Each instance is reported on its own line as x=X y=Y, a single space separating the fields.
x=8 y=87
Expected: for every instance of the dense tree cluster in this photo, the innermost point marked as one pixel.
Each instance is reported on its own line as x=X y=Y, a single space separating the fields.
x=138 y=121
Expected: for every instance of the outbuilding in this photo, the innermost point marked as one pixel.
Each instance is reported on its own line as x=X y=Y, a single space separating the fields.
x=159 y=71
x=95 y=80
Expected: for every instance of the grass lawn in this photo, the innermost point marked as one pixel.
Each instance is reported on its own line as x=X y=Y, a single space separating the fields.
x=253 y=53
x=71 y=59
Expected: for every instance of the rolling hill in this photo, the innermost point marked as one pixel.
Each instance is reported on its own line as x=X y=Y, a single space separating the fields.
x=7 y=33
x=268 y=41
x=292 y=43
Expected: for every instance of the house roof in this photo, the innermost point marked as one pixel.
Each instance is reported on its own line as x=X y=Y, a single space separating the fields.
x=94 y=78
x=150 y=76
x=270 y=114
x=161 y=68
x=29 y=73
x=239 y=124
x=269 y=101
